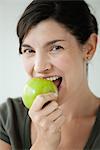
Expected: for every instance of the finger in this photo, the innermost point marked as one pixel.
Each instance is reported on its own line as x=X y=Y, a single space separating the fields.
x=37 y=115
x=56 y=125
x=48 y=109
x=55 y=115
x=44 y=123
x=59 y=122
x=43 y=99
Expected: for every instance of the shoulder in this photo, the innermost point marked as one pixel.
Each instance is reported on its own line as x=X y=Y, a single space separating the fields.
x=11 y=111
x=12 y=105
x=12 y=116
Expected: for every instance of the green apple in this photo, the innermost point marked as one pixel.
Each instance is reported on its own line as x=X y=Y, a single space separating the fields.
x=34 y=87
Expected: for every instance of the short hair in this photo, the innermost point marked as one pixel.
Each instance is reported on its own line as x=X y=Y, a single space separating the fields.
x=74 y=15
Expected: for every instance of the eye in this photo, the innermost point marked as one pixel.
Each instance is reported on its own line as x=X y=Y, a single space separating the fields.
x=57 y=48
x=28 y=52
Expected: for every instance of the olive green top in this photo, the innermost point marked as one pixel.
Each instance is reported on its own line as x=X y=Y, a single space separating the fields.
x=15 y=126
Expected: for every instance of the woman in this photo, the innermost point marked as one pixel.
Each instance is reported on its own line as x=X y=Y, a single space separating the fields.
x=57 y=40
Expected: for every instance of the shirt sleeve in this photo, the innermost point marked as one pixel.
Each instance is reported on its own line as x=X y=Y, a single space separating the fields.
x=13 y=115
x=3 y=123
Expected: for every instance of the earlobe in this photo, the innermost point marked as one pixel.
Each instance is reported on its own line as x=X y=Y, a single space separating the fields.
x=90 y=47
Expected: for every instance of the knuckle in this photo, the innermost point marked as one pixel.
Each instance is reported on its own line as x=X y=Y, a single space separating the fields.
x=55 y=104
x=44 y=123
x=60 y=111
x=37 y=118
x=53 y=128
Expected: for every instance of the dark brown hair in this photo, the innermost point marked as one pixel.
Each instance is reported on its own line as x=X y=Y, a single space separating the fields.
x=74 y=15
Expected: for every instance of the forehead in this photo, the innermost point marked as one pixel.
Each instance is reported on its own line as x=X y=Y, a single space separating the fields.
x=48 y=30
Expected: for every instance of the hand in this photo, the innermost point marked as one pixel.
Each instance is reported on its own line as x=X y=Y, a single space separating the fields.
x=47 y=120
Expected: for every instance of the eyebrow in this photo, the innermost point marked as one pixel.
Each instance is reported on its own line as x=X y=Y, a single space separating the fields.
x=26 y=45
x=47 y=44
x=54 y=41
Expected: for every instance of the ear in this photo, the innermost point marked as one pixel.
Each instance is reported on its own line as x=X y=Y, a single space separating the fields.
x=89 y=47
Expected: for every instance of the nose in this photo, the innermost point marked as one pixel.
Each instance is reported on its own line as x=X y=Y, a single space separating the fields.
x=42 y=64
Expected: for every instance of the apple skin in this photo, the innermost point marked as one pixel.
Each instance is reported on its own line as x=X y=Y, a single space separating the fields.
x=35 y=87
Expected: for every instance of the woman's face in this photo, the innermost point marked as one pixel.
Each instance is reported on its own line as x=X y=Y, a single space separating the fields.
x=50 y=51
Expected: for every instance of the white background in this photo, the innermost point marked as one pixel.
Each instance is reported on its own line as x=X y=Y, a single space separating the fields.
x=12 y=75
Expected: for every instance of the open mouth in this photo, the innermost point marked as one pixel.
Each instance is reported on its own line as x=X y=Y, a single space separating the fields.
x=56 y=80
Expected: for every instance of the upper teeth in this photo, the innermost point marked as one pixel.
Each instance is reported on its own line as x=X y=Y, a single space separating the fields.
x=52 y=78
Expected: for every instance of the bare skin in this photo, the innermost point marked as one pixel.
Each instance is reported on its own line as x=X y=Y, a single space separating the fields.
x=4 y=145
x=50 y=50
x=74 y=132
x=75 y=99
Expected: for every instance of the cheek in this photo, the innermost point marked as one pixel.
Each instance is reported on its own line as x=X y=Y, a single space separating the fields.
x=28 y=66
x=69 y=65
x=63 y=63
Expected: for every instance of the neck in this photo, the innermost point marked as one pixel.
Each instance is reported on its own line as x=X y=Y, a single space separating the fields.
x=81 y=104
